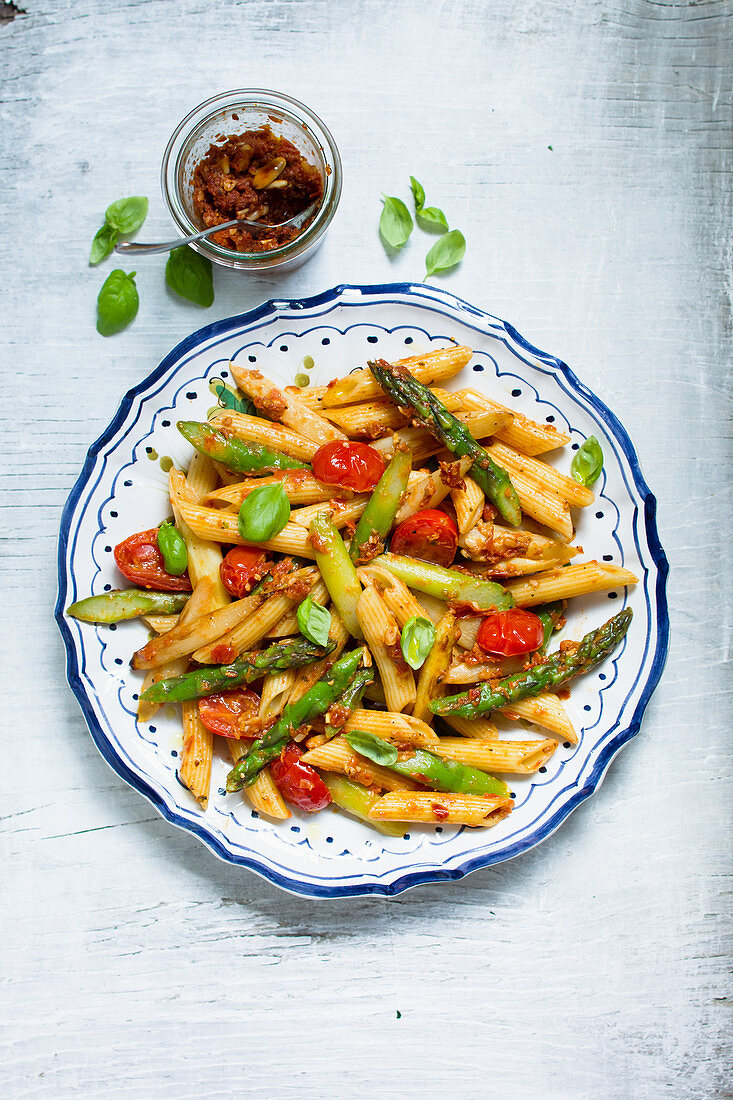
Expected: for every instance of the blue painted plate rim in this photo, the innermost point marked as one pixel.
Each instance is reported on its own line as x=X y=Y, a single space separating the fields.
x=428 y=294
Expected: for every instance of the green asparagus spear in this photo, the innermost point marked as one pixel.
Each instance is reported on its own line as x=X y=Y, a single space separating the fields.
x=248 y=667
x=447 y=584
x=549 y=615
x=554 y=671
x=358 y=800
x=127 y=603
x=315 y=701
x=408 y=393
x=337 y=570
x=379 y=514
x=246 y=458
x=426 y=767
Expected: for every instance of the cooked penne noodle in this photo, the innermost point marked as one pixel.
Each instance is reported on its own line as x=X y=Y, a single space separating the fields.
x=479 y=729
x=372 y=419
x=253 y=430
x=435 y=666
x=227 y=647
x=383 y=638
x=542 y=474
x=204 y=556
x=146 y=709
x=433 y=366
x=299 y=486
x=338 y=756
x=510 y=757
x=312 y=673
x=488 y=542
x=573 y=580
x=469 y=505
x=391 y=726
x=276 y=689
x=463 y=672
x=545 y=710
x=427 y=490
x=202 y=475
x=400 y=601
x=263 y=794
x=210 y=523
x=284 y=406
x=438 y=808
x=543 y=505
x=161 y=624
x=528 y=436
x=196 y=754
x=192 y=634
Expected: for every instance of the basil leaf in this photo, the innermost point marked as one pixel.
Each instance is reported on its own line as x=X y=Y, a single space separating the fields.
x=314 y=621
x=173 y=548
x=104 y=242
x=264 y=513
x=448 y=251
x=229 y=398
x=374 y=748
x=429 y=217
x=190 y=275
x=418 y=635
x=588 y=462
x=127 y=215
x=117 y=302
x=418 y=193
x=395 y=224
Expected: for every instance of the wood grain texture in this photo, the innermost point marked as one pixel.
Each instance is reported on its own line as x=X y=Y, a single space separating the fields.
x=585 y=149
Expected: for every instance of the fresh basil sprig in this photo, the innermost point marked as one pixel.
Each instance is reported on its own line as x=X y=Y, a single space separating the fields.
x=395 y=223
x=229 y=398
x=447 y=251
x=416 y=641
x=264 y=513
x=588 y=462
x=121 y=218
x=189 y=274
x=117 y=302
x=374 y=748
x=428 y=217
x=314 y=621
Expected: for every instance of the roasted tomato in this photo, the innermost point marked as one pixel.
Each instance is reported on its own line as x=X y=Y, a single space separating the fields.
x=349 y=465
x=298 y=783
x=510 y=633
x=429 y=535
x=139 y=559
x=242 y=568
x=229 y=712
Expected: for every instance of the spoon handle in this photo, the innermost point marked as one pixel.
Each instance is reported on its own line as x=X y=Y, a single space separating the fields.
x=166 y=246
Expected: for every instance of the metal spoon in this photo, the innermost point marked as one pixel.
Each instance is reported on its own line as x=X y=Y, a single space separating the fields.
x=135 y=246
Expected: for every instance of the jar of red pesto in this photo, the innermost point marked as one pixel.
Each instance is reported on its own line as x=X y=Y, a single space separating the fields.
x=256 y=155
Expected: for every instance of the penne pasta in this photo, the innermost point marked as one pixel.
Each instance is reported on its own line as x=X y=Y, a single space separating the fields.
x=204 y=556
x=299 y=486
x=480 y=729
x=428 y=490
x=341 y=512
x=372 y=419
x=429 y=685
x=423 y=445
x=246 y=634
x=253 y=430
x=284 y=406
x=469 y=505
x=509 y=757
x=196 y=754
x=391 y=726
x=338 y=756
x=383 y=638
x=525 y=435
x=573 y=580
x=433 y=366
x=435 y=808
x=542 y=474
x=224 y=527
x=545 y=710
x=263 y=794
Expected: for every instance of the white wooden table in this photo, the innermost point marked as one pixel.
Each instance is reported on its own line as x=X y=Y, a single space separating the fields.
x=585 y=149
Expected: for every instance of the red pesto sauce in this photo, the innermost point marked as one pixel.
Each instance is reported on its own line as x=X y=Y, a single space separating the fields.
x=259 y=176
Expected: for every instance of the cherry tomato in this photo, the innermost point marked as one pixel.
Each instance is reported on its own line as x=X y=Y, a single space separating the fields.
x=509 y=633
x=429 y=535
x=139 y=559
x=241 y=569
x=349 y=465
x=299 y=783
x=222 y=713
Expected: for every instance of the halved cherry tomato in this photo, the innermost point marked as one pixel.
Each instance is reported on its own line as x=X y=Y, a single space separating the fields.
x=509 y=633
x=298 y=783
x=139 y=559
x=350 y=465
x=242 y=568
x=224 y=713
x=429 y=535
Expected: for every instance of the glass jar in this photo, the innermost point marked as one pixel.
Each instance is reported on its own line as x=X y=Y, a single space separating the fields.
x=232 y=113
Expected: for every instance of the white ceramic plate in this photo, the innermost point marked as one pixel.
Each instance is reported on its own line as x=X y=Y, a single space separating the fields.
x=123 y=489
